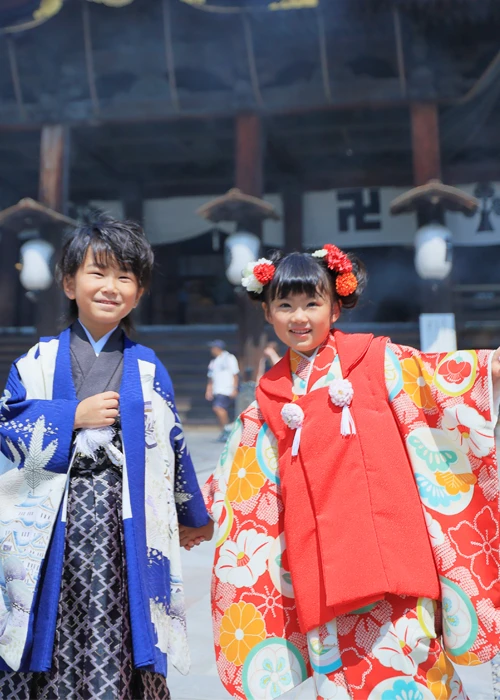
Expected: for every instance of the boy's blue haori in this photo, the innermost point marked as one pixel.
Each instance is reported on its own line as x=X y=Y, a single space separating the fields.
x=160 y=490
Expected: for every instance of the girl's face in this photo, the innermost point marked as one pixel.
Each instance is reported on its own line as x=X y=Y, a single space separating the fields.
x=104 y=295
x=301 y=321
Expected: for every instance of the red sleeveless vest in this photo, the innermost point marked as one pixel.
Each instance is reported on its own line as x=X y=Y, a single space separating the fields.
x=353 y=521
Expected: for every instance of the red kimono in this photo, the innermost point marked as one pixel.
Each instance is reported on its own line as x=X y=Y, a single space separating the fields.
x=398 y=519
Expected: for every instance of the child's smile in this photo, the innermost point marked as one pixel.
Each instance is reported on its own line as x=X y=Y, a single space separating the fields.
x=104 y=294
x=301 y=321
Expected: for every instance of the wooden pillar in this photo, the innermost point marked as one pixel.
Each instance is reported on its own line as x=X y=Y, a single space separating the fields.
x=249 y=166
x=425 y=142
x=249 y=179
x=426 y=154
x=436 y=296
x=54 y=167
x=293 y=216
x=53 y=193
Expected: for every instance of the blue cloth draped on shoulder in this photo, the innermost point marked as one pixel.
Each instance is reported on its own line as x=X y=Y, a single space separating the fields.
x=160 y=490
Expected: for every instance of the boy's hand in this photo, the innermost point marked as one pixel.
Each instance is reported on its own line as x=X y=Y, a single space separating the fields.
x=190 y=537
x=97 y=411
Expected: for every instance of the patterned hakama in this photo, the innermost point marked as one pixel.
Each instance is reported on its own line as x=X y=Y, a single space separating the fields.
x=92 y=658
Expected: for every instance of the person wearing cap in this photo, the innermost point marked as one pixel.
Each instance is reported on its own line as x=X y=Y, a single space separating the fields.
x=222 y=384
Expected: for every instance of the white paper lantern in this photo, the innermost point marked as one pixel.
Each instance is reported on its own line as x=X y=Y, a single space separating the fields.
x=433 y=246
x=36 y=274
x=241 y=248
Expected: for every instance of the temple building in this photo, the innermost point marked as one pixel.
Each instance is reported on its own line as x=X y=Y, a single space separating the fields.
x=328 y=110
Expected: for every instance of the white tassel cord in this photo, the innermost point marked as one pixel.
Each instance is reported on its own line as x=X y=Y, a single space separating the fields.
x=347 y=426
x=114 y=454
x=89 y=440
x=296 y=441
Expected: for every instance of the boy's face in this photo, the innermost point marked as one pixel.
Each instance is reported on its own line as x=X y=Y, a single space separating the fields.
x=300 y=321
x=104 y=295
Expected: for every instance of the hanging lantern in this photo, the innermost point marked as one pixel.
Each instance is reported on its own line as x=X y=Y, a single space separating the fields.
x=433 y=252
x=36 y=274
x=241 y=248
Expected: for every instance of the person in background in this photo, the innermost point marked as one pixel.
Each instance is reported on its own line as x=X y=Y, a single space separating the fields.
x=222 y=385
x=270 y=357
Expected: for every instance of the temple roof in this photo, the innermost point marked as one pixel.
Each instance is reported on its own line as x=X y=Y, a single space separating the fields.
x=333 y=85
x=88 y=62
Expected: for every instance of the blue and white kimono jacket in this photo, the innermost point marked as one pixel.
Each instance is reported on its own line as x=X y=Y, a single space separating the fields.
x=160 y=490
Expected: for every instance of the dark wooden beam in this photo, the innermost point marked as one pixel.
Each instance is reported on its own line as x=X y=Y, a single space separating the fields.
x=425 y=142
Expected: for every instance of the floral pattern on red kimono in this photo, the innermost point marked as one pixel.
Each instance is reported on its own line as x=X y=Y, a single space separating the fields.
x=391 y=650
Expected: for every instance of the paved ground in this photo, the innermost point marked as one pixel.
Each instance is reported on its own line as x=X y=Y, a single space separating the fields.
x=203 y=682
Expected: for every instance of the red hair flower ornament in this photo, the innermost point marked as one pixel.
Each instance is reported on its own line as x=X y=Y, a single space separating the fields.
x=337 y=261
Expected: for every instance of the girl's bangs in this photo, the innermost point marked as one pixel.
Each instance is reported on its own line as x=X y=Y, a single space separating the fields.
x=290 y=287
x=297 y=274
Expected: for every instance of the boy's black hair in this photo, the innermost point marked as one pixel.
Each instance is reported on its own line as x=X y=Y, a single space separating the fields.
x=301 y=273
x=123 y=243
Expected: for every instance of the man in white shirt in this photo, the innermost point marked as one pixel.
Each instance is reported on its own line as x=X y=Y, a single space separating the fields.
x=222 y=385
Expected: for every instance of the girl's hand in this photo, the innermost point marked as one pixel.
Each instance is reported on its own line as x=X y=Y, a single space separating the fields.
x=97 y=411
x=190 y=537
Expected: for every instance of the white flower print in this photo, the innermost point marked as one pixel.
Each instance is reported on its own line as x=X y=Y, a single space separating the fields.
x=242 y=562
x=434 y=529
x=465 y=426
x=328 y=690
x=402 y=646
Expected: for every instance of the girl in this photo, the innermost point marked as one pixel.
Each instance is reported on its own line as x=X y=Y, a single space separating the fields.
x=326 y=562
x=94 y=478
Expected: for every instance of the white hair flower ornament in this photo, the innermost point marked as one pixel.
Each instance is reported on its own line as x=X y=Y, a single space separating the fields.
x=257 y=274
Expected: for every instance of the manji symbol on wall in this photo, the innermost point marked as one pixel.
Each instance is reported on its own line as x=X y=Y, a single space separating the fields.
x=359 y=210
x=490 y=204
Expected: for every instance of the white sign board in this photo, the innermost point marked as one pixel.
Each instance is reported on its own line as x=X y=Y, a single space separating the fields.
x=350 y=218
x=355 y=217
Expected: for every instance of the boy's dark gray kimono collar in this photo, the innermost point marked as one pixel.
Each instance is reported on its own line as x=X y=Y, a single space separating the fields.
x=94 y=375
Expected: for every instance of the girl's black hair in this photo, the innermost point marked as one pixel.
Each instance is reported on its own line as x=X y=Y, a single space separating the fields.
x=122 y=243
x=301 y=273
